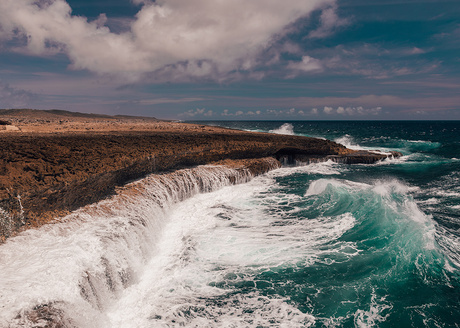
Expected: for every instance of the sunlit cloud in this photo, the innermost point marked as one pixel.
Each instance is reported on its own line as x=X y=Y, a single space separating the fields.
x=197 y=112
x=329 y=23
x=351 y=111
x=189 y=38
x=308 y=64
x=289 y=113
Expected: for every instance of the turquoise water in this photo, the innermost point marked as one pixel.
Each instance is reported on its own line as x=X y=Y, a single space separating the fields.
x=351 y=245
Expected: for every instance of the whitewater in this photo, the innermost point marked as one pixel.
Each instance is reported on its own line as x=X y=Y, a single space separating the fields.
x=317 y=245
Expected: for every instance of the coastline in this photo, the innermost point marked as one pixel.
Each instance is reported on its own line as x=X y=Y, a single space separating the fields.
x=57 y=162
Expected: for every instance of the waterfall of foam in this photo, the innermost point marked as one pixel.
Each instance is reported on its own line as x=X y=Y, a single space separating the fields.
x=68 y=273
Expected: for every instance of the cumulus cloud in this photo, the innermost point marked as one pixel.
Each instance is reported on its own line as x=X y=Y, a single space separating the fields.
x=352 y=110
x=11 y=97
x=198 y=112
x=308 y=64
x=328 y=110
x=290 y=112
x=198 y=38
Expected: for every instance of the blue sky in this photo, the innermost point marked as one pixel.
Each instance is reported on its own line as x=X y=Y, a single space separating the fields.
x=235 y=59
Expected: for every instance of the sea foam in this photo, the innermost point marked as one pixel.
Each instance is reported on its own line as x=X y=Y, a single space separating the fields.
x=286 y=128
x=72 y=271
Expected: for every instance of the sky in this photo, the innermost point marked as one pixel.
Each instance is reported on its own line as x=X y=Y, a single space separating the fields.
x=234 y=59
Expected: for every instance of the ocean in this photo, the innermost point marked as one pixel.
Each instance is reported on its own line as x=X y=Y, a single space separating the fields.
x=319 y=245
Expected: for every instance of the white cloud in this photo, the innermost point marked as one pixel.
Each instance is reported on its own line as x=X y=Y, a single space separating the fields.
x=329 y=22
x=308 y=64
x=198 y=38
x=292 y=113
x=340 y=110
x=226 y=112
x=198 y=112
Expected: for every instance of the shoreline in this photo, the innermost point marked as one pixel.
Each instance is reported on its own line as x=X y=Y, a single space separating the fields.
x=59 y=162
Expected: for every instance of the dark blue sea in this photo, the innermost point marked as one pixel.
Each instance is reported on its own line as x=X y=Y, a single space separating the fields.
x=356 y=245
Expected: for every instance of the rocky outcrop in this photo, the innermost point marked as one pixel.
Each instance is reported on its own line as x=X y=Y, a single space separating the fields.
x=7 y=126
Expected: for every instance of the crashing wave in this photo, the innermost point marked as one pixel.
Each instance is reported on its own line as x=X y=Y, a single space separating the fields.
x=96 y=252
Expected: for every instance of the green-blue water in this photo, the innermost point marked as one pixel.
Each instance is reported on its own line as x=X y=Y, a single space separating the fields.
x=355 y=245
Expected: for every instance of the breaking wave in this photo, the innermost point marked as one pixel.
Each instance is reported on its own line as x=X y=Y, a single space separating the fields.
x=71 y=272
x=286 y=128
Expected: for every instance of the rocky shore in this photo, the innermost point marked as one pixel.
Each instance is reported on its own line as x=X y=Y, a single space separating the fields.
x=53 y=162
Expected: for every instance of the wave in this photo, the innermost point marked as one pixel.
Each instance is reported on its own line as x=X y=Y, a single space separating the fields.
x=71 y=271
x=401 y=214
x=386 y=144
x=349 y=142
x=396 y=241
x=207 y=271
x=286 y=128
x=416 y=145
x=328 y=167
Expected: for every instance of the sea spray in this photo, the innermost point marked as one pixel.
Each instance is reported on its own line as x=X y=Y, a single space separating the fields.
x=206 y=270
x=286 y=128
x=257 y=247
x=71 y=271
